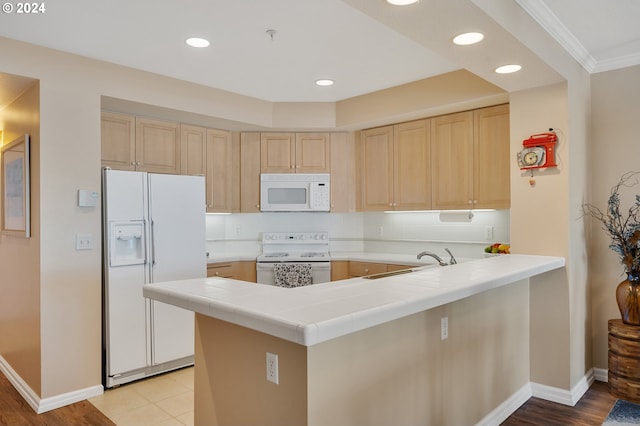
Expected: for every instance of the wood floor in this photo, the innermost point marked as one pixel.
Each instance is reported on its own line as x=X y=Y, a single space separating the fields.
x=14 y=411
x=592 y=409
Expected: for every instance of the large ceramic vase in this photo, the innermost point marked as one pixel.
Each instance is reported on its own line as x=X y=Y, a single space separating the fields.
x=628 y=298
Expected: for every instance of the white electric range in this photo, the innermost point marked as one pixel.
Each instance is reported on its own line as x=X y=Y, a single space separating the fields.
x=308 y=249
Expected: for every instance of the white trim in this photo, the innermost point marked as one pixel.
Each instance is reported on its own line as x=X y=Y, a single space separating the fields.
x=20 y=385
x=508 y=407
x=42 y=405
x=548 y=20
x=68 y=398
x=563 y=396
x=601 y=374
x=629 y=60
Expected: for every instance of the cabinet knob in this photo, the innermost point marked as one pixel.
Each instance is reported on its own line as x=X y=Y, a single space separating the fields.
x=133 y=163
x=366 y=269
x=217 y=273
x=470 y=202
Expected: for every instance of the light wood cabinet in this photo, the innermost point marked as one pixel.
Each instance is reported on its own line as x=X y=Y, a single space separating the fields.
x=343 y=174
x=470 y=159
x=295 y=152
x=395 y=267
x=214 y=154
x=313 y=153
x=118 y=139
x=339 y=270
x=222 y=172
x=240 y=270
x=246 y=271
x=157 y=146
x=363 y=269
x=395 y=167
x=221 y=270
x=492 y=165
x=452 y=161
x=193 y=143
x=142 y=144
x=411 y=166
x=250 y=172
x=376 y=174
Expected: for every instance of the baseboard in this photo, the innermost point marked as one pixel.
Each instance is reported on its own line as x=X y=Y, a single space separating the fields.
x=601 y=374
x=508 y=407
x=42 y=405
x=563 y=396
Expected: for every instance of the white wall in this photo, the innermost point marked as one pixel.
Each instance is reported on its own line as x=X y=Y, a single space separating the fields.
x=405 y=233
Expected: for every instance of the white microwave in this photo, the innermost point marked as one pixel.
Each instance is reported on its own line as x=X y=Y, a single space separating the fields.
x=293 y=192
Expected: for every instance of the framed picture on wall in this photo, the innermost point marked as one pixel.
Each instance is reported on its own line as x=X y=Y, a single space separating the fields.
x=16 y=188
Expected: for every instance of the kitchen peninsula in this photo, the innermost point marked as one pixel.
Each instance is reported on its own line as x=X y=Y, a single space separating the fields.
x=440 y=345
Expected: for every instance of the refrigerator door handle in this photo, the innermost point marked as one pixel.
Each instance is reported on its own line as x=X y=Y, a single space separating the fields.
x=153 y=244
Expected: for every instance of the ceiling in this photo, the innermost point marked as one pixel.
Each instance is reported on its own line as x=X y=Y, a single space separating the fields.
x=364 y=45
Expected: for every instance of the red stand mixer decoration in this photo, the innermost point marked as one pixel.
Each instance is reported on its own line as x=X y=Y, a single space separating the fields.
x=538 y=153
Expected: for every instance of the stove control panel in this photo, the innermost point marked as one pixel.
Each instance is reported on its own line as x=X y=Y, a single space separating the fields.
x=295 y=238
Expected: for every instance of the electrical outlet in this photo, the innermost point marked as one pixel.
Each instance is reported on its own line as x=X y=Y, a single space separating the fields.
x=380 y=231
x=272 y=367
x=488 y=233
x=444 y=328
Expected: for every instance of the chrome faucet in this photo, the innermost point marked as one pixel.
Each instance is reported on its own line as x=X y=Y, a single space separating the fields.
x=441 y=262
x=435 y=256
x=453 y=260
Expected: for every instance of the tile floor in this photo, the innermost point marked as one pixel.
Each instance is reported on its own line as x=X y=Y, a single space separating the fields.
x=164 y=400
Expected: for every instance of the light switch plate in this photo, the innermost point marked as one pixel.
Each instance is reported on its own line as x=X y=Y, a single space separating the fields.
x=84 y=241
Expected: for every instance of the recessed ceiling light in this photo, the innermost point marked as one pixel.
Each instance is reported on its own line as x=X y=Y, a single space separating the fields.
x=324 y=82
x=468 y=38
x=197 y=42
x=402 y=2
x=508 y=69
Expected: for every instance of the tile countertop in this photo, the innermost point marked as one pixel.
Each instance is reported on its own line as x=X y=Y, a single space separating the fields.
x=392 y=258
x=321 y=312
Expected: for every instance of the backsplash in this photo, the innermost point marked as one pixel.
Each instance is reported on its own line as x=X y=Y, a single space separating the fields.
x=371 y=231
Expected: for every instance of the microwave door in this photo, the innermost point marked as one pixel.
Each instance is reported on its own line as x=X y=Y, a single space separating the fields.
x=287 y=196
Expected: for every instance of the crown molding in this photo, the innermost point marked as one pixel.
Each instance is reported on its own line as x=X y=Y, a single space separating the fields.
x=539 y=11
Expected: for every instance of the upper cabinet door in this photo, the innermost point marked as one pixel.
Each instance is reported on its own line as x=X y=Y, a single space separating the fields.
x=492 y=168
x=312 y=153
x=222 y=171
x=452 y=161
x=343 y=172
x=250 y=172
x=377 y=169
x=118 y=138
x=193 y=150
x=277 y=153
x=157 y=146
x=412 y=168
x=295 y=152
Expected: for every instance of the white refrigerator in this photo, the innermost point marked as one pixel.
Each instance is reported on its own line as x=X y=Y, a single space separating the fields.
x=153 y=231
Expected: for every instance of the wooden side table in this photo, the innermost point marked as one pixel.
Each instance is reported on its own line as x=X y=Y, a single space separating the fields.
x=624 y=360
